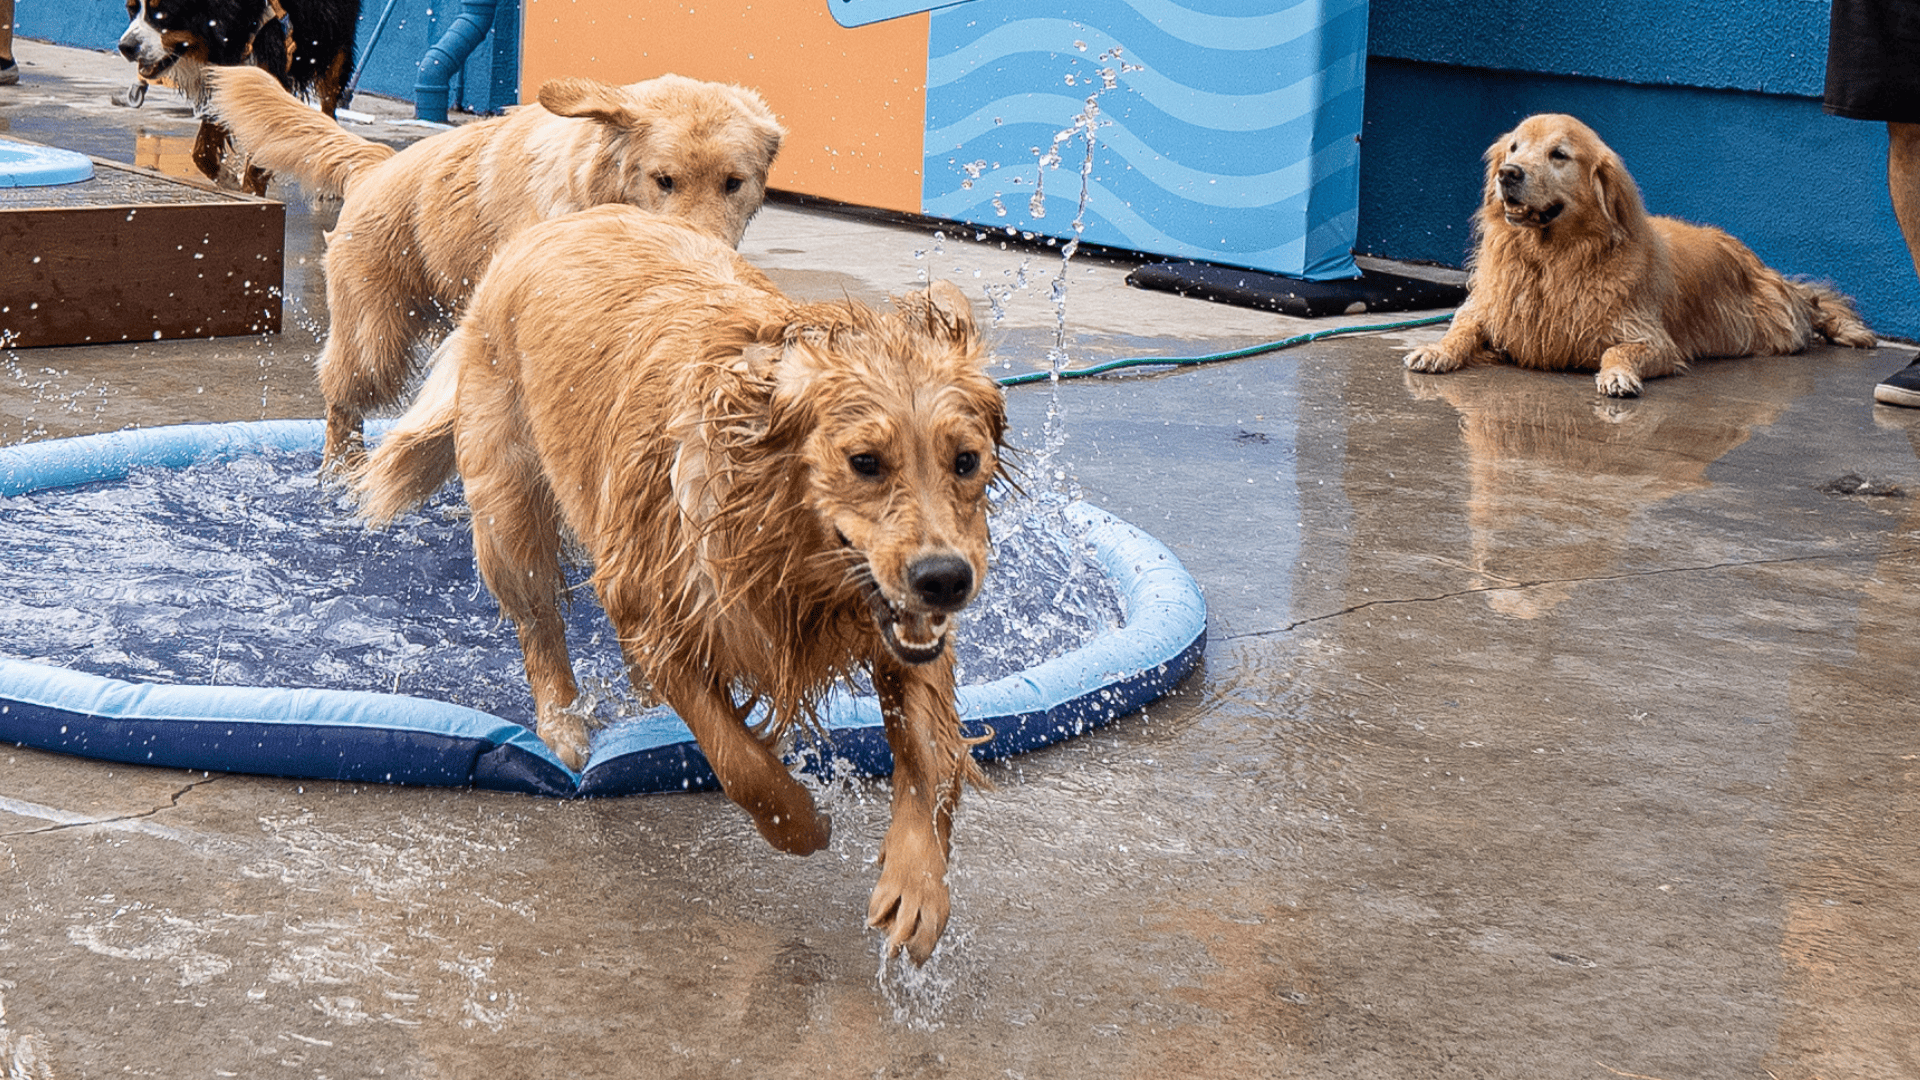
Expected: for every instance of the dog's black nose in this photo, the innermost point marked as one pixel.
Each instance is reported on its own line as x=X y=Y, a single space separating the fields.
x=129 y=50
x=1511 y=174
x=944 y=582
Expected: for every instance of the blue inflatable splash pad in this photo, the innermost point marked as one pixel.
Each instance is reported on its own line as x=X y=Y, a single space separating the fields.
x=191 y=597
x=29 y=165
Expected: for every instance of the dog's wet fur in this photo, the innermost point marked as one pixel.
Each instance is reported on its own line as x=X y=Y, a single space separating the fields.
x=419 y=227
x=773 y=495
x=1571 y=273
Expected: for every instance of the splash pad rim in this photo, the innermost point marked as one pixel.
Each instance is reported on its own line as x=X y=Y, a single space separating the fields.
x=365 y=736
x=31 y=165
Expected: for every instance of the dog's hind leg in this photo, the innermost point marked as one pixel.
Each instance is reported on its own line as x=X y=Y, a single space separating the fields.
x=516 y=545
x=749 y=772
x=930 y=760
x=368 y=355
x=1833 y=316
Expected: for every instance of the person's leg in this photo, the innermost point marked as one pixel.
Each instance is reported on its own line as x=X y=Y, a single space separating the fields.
x=9 y=71
x=1903 y=183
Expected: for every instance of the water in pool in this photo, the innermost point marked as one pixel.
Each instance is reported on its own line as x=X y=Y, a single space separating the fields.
x=249 y=573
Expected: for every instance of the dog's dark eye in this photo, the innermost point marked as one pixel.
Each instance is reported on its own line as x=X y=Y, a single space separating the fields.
x=864 y=464
x=665 y=182
x=1559 y=155
x=734 y=184
x=966 y=463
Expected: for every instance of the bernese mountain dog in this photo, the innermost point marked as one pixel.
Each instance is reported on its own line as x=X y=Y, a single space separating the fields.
x=305 y=44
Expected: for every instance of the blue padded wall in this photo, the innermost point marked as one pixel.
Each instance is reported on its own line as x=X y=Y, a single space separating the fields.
x=1230 y=133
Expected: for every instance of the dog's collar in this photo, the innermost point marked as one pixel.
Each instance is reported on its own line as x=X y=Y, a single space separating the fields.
x=271 y=12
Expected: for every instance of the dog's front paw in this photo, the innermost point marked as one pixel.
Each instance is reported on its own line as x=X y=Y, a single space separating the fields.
x=1618 y=382
x=910 y=902
x=566 y=736
x=800 y=833
x=1434 y=359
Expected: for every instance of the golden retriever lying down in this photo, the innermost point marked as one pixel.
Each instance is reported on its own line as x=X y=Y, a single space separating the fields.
x=419 y=227
x=1572 y=274
x=771 y=494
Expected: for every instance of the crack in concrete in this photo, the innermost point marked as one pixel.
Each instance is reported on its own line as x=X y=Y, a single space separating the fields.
x=61 y=820
x=1521 y=585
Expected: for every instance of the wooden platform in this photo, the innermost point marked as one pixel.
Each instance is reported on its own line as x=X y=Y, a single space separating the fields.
x=136 y=255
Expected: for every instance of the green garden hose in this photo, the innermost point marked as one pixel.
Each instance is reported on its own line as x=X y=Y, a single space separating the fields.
x=1214 y=358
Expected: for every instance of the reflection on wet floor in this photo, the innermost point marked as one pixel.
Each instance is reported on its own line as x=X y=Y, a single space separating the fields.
x=1558 y=478
x=1847 y=841
x=169 y=154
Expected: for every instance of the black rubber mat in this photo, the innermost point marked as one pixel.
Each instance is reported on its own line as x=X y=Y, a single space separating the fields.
x=1372 y=291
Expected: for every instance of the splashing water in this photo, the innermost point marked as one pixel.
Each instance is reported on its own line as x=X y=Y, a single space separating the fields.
x=921 y=997
x=1084 y=126
x=240 y=573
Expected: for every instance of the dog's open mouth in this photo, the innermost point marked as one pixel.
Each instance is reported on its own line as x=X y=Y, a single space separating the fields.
x=913 y=637
x=151 y=70
x=1519 y=213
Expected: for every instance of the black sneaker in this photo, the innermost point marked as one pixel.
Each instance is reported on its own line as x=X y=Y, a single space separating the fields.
x=9 y=73
x=1901 y=388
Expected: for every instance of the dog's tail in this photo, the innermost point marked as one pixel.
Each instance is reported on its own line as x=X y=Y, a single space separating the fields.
x=280 y=133
x=1832 y=315
x=417 y=455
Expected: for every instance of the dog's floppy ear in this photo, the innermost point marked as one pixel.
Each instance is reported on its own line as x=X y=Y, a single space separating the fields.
x=787 y=354
x=1617 y=195
x=785 y=358
x=588 y=99
x=761 y=359
x=941 y=311
x=769 y=135
x=767 y=132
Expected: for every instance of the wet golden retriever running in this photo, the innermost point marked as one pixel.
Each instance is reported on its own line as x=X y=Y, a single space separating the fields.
x=772 y=495
x=1572 y=274
x=418 y=227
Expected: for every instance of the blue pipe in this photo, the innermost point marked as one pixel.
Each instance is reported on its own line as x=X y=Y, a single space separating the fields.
x=446 y=56
x=360 y=68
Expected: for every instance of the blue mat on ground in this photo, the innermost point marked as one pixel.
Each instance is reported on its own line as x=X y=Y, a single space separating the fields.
x=360 y=735
x=1373 y=291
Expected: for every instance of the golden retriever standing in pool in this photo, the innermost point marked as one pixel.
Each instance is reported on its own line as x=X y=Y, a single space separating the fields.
x=772 y=495
x=418 y=227
x=1572 y=274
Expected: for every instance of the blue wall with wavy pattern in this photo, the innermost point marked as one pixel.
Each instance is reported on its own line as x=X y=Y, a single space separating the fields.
x=1226 y=131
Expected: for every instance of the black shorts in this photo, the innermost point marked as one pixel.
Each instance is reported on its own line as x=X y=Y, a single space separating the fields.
x=1873 y=60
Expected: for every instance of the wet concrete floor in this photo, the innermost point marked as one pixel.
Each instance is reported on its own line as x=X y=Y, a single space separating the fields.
x=1538 y=736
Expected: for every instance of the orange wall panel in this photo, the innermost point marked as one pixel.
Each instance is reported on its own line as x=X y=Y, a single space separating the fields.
x=853 y=101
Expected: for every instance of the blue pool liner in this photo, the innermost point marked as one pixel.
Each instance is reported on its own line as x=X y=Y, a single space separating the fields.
x=393 y=738
x=32 y=165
